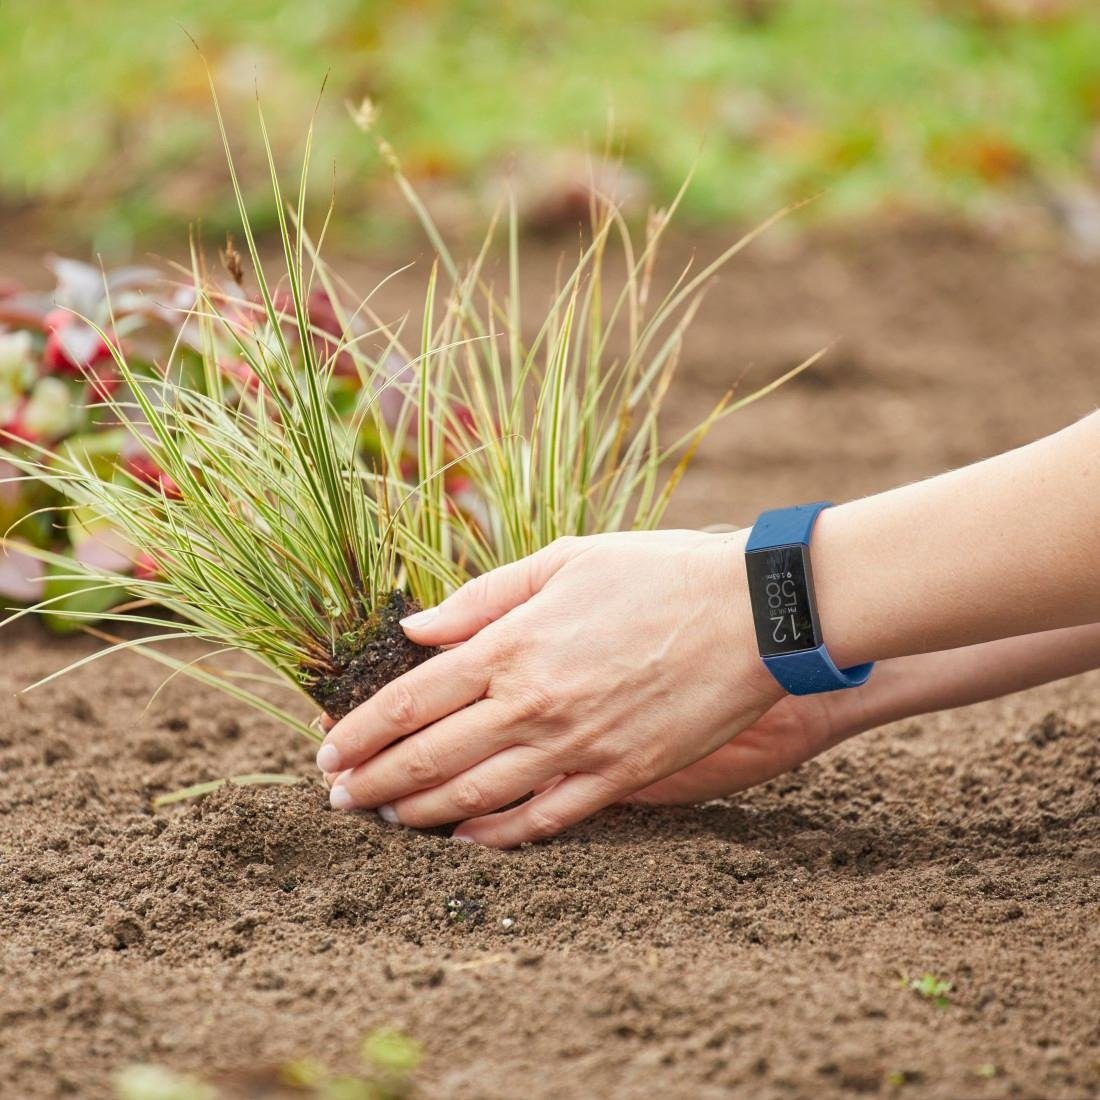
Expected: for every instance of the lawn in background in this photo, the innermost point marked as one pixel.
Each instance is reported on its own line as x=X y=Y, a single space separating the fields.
x=106 y=116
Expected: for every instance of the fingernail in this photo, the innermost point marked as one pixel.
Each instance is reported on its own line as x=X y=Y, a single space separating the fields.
x=328 y=758
x=388 y=813
x=339 y=798
x=421 y=618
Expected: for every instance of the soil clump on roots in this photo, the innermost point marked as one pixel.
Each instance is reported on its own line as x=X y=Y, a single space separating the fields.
x=369 y=659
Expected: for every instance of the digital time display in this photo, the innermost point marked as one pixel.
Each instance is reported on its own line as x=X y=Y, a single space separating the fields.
x=785 y=618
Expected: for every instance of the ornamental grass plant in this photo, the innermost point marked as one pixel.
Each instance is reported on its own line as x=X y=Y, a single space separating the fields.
x=559 y=431
x=263 y=530
x=298 y=529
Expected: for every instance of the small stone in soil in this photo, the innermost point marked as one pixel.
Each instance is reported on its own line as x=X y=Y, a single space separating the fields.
x=464 y=910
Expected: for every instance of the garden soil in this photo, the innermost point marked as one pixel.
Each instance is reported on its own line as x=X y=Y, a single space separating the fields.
x=759 y=947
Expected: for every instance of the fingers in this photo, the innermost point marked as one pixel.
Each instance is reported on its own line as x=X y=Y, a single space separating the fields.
x=486 y=598
x=571 y=800
x=548 y=784
x=438 y=687
x=445 y=749
x=503 y=778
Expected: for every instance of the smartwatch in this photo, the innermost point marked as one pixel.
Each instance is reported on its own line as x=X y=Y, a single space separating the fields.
x=781 y=589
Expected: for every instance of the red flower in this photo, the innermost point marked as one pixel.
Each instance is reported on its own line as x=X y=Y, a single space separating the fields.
x=102 y=383
x=145 y=470
x=328 y=333
x=240 y=372
x=465 y=416
x=145 y=567
x=71 y=345
x=15 y=427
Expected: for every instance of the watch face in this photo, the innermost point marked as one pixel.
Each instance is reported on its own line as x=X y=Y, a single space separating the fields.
x=782 y=608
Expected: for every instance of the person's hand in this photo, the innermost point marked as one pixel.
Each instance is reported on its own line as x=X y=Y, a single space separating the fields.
x=612 y=661
x=796 y=729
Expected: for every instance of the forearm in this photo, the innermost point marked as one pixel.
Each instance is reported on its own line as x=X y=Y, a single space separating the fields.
x=905 y=687
x=1002 y=548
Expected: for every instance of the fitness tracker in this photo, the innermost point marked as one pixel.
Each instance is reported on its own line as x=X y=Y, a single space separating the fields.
x=781 y=588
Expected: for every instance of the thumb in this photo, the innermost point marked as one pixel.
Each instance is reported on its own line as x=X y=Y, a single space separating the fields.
x=486 y=598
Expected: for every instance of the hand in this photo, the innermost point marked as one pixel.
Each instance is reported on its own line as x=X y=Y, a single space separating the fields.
x=796 y=729
x=613 y=661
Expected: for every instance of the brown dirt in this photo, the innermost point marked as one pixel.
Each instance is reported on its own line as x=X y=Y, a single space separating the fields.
x=751 y=948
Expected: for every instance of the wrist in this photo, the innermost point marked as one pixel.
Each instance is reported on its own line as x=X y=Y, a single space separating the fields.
x=836 y=554
x=859 y=709
x=781 y=586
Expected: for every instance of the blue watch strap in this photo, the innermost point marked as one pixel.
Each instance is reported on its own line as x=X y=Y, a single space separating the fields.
x=809 y=671
x=785 y=526
x=812 y=671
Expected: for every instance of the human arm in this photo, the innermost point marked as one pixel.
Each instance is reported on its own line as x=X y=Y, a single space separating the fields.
x=798 y=728
x=618 y=660
x=998 y=549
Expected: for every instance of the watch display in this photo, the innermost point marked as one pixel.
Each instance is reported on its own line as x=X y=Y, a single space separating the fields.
x=780 y=587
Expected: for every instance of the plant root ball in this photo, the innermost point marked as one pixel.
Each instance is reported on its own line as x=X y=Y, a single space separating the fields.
x=369 y=658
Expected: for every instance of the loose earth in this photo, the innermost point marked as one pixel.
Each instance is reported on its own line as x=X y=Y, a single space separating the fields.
x=760 y=947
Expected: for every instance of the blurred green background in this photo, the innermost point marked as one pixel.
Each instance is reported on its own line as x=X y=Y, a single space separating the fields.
x=957 y=105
